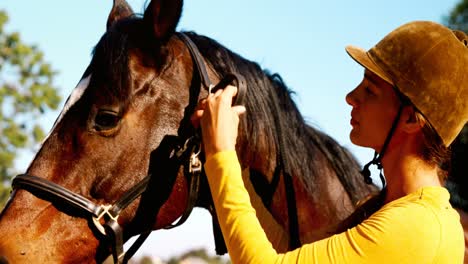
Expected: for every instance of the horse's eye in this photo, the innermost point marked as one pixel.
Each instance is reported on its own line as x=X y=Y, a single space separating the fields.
x=106 y=120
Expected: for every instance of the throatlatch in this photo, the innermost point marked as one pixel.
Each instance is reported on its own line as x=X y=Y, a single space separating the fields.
x=377 y=160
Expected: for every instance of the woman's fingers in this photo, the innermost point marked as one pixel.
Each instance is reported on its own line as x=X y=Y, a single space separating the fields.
x=201 y=104
x=219 y=120
x=195 y=118
x=228 y=94
x=239 y=109
x=217 y=93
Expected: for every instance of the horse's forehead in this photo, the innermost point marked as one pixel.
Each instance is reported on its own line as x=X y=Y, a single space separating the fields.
x=76 y=94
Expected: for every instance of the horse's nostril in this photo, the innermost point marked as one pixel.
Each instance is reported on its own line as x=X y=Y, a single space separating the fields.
x=3 y=260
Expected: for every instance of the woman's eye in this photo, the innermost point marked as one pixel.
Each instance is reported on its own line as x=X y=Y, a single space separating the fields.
x=369 y=91
x=106 y=119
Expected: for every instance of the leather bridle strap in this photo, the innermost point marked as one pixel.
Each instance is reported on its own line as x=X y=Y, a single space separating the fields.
x=197 y=58
x=109 y=213
x=194 y=171
x=33 y=184
x=232 y=78
x=294 y=234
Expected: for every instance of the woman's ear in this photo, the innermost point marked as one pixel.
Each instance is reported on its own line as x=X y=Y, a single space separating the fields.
x=410 y=121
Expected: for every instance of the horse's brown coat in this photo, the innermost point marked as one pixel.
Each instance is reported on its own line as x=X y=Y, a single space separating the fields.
x=101 y=164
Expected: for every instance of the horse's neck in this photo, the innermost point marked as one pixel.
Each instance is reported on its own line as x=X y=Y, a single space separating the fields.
x=327 y=205
x=270 y=155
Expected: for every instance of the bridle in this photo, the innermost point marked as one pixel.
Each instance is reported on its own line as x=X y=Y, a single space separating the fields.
x=105 y=216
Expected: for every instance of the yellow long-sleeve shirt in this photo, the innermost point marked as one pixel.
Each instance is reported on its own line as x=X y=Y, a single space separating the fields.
x=421 y=227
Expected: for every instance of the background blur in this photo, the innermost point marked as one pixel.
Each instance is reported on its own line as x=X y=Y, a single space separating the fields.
x=302 y=40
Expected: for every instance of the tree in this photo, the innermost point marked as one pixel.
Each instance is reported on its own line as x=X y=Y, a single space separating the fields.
x=200 y=254
x=458 y=17
x=26 y=93
x=458 y=182
x=146 y=260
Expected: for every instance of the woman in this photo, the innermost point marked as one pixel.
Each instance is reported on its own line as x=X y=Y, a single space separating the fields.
x=411 y=104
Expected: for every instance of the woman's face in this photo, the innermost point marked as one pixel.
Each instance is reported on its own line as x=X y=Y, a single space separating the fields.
x=375 y=106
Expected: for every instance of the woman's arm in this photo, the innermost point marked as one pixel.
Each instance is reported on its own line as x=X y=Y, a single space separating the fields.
x=404 y=232
x=276 y=234
x=241 y=229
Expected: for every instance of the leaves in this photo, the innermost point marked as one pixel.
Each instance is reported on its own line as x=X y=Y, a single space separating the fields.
x=26 y=93
x=457 y=182
x=458 y=17
x=199 y=254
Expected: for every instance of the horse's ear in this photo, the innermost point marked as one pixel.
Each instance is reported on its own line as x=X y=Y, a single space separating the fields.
x=120 y=10
x=163 y=15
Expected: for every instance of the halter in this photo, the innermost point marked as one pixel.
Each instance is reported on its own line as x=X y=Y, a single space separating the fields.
x=105 y=216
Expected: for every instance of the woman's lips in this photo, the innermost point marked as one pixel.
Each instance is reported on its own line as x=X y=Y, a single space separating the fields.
x=353 y=121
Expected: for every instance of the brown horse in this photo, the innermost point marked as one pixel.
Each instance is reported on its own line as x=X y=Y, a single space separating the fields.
x=129 y=118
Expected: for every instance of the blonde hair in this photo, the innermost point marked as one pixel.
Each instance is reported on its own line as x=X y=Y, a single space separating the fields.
x=433 y=149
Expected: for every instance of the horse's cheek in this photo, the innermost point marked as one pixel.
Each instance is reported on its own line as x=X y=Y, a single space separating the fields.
x=34 y=240
x=175 y=205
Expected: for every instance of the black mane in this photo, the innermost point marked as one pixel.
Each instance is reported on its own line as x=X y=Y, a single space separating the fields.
x=272 y=114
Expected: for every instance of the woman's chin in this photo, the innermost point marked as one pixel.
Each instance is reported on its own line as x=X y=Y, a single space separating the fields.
x=358 y=140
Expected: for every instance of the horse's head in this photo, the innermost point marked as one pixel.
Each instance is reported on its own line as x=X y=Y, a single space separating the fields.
x=126 y=119
x=129 y=118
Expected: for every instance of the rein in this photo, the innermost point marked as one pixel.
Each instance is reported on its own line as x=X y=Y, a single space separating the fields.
x=109 y=213
x=239 y=81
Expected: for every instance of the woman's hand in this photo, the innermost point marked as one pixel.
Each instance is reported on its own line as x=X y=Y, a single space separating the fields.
x=219 y=120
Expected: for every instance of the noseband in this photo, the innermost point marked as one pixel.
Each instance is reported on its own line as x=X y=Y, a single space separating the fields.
x=105 y=216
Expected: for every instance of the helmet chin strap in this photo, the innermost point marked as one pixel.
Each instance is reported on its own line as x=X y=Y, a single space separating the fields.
x=377 y=160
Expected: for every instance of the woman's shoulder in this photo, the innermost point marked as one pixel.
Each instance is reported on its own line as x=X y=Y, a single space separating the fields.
x=429 y=197
x=425 y=212
x=427 y=202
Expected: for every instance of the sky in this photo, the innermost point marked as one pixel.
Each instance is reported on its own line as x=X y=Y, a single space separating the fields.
x=302 y=40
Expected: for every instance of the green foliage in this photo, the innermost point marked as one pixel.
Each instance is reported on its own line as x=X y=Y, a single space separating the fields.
x=146 y=260
x=26 y=92
x=191 y=256
x=457 y=182
x=458 y=17
x=199 y=254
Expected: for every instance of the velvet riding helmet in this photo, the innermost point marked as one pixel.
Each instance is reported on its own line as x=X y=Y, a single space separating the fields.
x=428 y=64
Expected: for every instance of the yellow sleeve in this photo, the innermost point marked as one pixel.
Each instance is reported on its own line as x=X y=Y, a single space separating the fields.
x=235 y=212
x=402 y=233
x=276 y=234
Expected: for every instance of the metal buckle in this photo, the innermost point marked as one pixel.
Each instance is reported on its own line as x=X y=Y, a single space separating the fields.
x=105 y=212
x=210 y=88
x=195 y=164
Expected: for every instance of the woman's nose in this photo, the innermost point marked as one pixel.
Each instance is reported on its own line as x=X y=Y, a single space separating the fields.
x=351 y=98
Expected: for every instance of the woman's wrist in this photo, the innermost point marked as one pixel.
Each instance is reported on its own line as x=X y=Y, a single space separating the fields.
x=209 y=152
x=212 y=155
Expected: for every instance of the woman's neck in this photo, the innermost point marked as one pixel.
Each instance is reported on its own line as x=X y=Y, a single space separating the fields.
x=406 y=172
